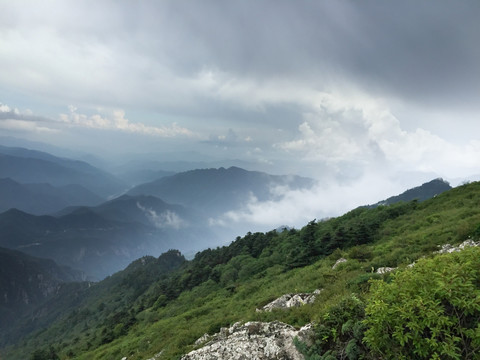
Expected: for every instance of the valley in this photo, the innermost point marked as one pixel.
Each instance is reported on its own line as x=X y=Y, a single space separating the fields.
x=124 y=299
x=239 y=180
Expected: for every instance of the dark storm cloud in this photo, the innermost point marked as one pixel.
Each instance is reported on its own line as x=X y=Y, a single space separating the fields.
x=417 y=50
x=420 y=51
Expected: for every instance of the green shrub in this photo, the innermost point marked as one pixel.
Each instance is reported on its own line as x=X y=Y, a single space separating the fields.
x=430 y=311
x=339 y=334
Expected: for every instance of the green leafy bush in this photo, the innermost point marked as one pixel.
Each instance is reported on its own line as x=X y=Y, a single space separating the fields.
x=430 y=311
x=339 y=334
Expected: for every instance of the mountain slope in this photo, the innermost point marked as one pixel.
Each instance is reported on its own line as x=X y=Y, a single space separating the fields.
x=29 y=166
x=63 y=297
x=103 y=239
x=40 y=199
x=148 y=210
x=25 y=282
x=222 y=286
x=218 y=190
x=82 y=239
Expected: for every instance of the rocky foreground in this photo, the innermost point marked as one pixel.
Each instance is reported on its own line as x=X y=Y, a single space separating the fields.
x=252 y=340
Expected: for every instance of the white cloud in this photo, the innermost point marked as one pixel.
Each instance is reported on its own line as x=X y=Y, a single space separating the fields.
x=166 y=219
x=361 y=130
x=4 y=108
x=25 y=126
x=14 y=120
x=117 y=121
x=297 y=207
x=328 y=142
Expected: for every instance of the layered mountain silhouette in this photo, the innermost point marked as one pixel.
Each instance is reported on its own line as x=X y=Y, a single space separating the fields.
x=103 y=239
x=219 y=190
x=30 y=166
x=41 y=199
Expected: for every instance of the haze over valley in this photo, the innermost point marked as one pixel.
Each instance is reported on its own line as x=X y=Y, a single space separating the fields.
x=168 y=169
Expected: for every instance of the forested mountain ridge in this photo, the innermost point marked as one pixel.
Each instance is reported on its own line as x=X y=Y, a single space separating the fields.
x=423 y=192
x=222 y=286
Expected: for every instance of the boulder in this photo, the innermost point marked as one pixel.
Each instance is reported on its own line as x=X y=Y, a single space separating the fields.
x=252 y=340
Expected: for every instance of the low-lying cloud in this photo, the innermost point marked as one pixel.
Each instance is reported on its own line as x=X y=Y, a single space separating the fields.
x=296 y=208
x=166 y=219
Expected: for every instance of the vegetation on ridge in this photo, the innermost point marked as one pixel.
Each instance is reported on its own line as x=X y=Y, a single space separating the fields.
x=224 y=285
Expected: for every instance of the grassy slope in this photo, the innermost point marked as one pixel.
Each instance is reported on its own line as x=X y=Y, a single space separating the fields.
x=393 y=239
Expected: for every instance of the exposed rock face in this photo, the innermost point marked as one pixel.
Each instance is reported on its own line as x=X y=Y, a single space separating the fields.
x=447 y=248
x=253 y=340
x=290 y=300
x=384 y=270
x=338 y=262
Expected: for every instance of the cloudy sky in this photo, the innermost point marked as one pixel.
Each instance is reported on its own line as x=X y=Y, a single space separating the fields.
x=379 y=94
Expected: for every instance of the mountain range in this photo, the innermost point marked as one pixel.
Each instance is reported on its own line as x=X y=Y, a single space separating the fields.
x=65 y=222
x=100 y=238
x=29 y=166
x=219 y=190
x=103 y=239
x=158 y=307
x=41 y=199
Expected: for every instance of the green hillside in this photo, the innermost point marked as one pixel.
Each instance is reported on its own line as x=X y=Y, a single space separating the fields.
x=147 y=312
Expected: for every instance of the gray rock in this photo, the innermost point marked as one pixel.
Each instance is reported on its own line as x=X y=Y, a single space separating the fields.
x=253 y=340
x=202 y=339
x=447 y=248
x=291 y=300
x=384 y=270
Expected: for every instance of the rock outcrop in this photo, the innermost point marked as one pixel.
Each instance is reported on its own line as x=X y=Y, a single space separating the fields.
x=447 y=248
x=291 y=300
x=253 y=340
x=385 y=270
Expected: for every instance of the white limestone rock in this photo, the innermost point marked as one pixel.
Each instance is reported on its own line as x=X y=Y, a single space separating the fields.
x=291 y=300
x=253 y=340
x=203 y=339
x=447 y=248
x=385 y=270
